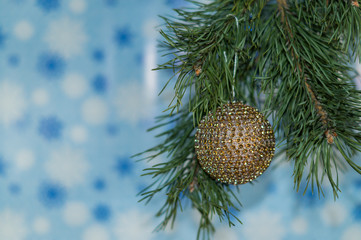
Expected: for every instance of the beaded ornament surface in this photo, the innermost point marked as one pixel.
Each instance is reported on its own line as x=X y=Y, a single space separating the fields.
x=236 y=144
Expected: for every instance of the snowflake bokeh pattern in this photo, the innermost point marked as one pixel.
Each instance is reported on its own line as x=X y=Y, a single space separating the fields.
x=102 y=212
x=123 y=36
x=99 y=184
x=51 y=65
x=50 y=128
x=13 y=60
x=98 y=55
x=13 y=225
x=99 y=83
x=2 y=167
x=123 y=166
x=24 y=30
x=52 y=195
x=175 y=3
x=48 y=5
x=111 y=3
x=12 y=102
x=66 y=36
x=76 y=213
x=76 y=96
x=67 y=166
x=2 y=37
x=112 y=129
x=357 y=212
x=41 y=225
x=14 y=188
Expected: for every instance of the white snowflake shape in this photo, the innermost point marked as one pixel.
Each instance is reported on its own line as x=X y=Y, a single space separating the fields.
x=333 y=214
x=352 y=233
x=225 y=232
x=66 y=37
x=41 y=225
x=134 y=225
x=96 y=232
x=67 y=166
x=263 y=224
x=12 y=102
x=76 y=213
x=12 y=225
x=132 y=103
x=95 y=111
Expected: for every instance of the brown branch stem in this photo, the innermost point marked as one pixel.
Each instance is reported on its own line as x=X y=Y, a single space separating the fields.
x=329 y=133
x=194 y=182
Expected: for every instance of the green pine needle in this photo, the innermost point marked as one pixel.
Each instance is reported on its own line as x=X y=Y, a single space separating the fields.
x=291 y=60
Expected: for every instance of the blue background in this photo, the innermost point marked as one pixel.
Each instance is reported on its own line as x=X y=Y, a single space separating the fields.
x=76 y=97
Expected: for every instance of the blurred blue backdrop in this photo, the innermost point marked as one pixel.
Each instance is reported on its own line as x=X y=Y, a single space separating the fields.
x=76 y=97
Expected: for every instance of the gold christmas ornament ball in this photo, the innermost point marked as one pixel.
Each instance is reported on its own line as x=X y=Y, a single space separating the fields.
x=235 y=145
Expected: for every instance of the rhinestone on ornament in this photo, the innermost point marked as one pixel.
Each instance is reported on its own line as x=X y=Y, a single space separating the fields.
x=235 y=145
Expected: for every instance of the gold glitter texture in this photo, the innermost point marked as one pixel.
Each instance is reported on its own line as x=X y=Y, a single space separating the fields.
x=235 y=145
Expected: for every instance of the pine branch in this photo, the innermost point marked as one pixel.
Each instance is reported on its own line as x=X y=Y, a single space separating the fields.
x=312 y=87
x=181 y=177
x=296 y=53
x=208 y=43
x=211 y=47
x=329 y=133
